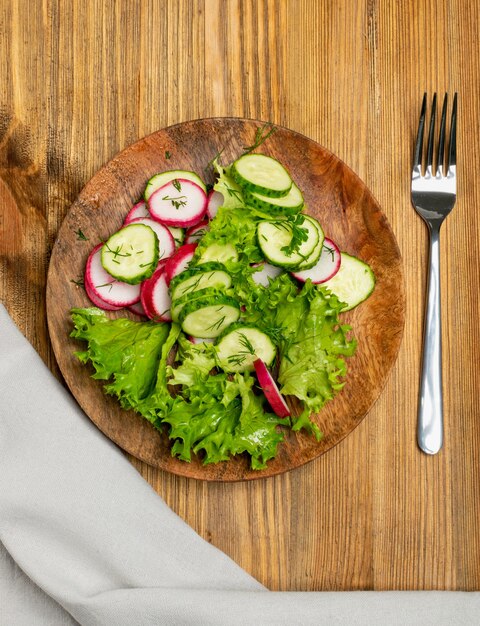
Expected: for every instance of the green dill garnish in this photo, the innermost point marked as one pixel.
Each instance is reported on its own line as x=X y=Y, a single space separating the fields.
x=78 y=282
x=262 y=134
x=117 y=251
x=234 y=192
x=331 y=252
x=216 y=325
x=81 y=235
x=299 y=235
x=177 y=184
x=241 y=355
x=212 y=161
x=109 y=285
x=176 y=202
x=167 y=154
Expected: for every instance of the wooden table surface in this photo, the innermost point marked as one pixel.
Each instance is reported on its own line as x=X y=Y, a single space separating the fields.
x=81 y=80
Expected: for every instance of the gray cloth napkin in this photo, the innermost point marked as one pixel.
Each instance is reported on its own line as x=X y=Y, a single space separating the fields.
x=85 y=539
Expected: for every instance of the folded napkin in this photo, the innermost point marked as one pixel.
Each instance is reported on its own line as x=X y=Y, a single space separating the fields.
x=85 y=538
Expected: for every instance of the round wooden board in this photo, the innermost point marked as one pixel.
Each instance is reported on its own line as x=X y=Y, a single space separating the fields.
x=333 y=193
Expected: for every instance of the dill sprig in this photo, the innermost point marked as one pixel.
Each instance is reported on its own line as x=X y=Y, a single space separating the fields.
x=299 y=235
x=81 y=235
x=176 y=202
x=262 y=134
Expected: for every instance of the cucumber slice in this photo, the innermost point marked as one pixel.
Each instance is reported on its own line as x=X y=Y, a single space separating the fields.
x=161 y=179
x=219 y=252
x=273 y=236
x=208 y=317
x=261 y=174
x=200 y=277
x=178 y=304
x=353 y=282
x=290 y=204
x=313 y=257
x=240 y=345
x=131 y=254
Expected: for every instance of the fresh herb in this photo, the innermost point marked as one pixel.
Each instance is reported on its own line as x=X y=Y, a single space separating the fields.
x=235 y=193
x=81 y=235
x=167 y=154
x=330 y=251
x=299 y=235
x=176 y=202
x=262 y=134
x=109 y=285
x=78 y=282
x=216 y=325
x=177 y=184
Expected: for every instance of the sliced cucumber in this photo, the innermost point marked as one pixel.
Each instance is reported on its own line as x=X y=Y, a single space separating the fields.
x=290 y=204
x=179 y=303
x=131 y=254
x=313 y=257
x=200 y=277
x=219 y=252
x=240 y=345
x=353 y=282
x=161 y=179
x=273 y=236
x=259 y=173
x=208 y=317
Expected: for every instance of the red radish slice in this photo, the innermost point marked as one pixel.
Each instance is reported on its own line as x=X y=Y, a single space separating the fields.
x=266 y=272
x=166 y=242
x=97 y=301
x=138 y=309
x=214 y=202
x=327 y=265
x=270 y=389
x=179 y=261
x=155 y=297
x=195 y=233
x=138 y=210
x=104 y=286
x=180 y=202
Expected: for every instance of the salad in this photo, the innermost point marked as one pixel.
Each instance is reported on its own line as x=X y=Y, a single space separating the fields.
x=239 y=296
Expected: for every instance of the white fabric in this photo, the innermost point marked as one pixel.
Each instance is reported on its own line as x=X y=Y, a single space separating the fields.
x=85 y=538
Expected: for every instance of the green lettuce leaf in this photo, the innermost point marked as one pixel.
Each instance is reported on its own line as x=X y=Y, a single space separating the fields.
x=127 y=351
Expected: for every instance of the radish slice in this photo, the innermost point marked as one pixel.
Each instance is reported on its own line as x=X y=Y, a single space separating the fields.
x=102 y=285
x=179 y=261
x=180 y=202
x=214 y=202
x=138 y=309
x=270 y=389
x=266 y=272
x=155 y=297
x=138 y=210
x=166 y=242
x=96 y=300
x=327 y=265
x=195 y=233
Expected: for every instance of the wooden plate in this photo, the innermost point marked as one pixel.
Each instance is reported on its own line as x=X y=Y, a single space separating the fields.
x=333 y=193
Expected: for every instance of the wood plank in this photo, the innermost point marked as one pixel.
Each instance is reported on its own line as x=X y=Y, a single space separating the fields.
x=78 y=86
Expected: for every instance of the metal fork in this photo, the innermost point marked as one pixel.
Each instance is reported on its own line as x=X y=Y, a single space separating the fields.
x=433 y=196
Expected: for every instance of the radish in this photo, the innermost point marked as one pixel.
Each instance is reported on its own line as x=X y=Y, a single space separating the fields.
x=214 y=202
x=325 y=268
x=138 y=210
x=179 y=261
x=97 y=301
x=270 y=389
x=100 y=284
x=138 y=309
x=180 y=203
x=194 y=233
x=155 y=297
x=166 y=242
x=267 y=271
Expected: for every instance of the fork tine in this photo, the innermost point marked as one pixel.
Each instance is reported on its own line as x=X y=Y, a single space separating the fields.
x=417 y=159
x=441 y=141
x=431 y=132
x=452 y=149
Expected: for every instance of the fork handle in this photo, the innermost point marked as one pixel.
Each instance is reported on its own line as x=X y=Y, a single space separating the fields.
x=430 y=409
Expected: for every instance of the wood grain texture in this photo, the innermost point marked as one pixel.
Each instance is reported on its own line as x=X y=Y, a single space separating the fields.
x=82 y=81
x=333 y=194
